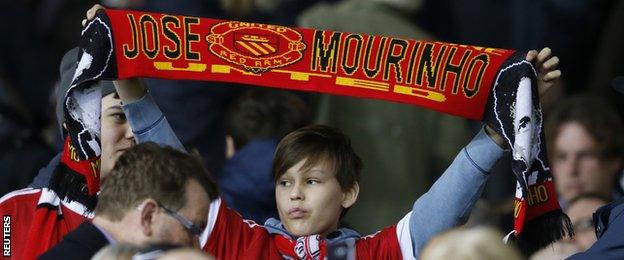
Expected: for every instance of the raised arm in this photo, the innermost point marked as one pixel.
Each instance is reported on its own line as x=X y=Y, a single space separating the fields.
x=450 y=200
x=147 y=121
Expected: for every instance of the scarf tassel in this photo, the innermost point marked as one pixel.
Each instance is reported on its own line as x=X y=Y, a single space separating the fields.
x=541 y=231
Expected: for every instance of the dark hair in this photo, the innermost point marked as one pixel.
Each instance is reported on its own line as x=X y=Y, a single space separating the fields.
x=265 y=113
x=598 y=118
x=318 y=143
x=148 y=170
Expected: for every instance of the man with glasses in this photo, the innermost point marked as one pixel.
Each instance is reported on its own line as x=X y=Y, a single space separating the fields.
x=153 y=195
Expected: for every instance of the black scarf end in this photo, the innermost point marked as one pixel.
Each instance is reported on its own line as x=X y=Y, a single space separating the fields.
x=543 y=231
x=71 y=186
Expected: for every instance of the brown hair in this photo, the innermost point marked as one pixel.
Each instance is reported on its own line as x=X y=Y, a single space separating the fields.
x=150 y=171
x=598 y=118
x=318 y=143
x=265 y=113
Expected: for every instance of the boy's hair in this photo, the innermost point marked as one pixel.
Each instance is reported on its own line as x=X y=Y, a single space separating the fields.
x=265 y=113
x=150 y=171
x=599 y=119
x=315 y=144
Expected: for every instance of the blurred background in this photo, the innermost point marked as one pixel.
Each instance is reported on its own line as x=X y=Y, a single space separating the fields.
x=404 y=148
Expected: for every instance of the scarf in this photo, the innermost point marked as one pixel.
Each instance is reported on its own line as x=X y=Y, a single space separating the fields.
x=451 y=78
x=311 y=247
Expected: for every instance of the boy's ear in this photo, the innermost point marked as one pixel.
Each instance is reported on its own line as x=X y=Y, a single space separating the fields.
x=351 y=195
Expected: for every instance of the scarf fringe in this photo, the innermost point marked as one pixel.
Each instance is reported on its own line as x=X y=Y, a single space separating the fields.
x=544 y=230
x=71 y=186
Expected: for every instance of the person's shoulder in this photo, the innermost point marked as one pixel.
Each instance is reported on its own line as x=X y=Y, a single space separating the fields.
x=81 y=243
x=19 y=196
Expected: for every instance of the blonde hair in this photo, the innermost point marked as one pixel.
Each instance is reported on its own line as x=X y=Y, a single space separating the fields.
x=116 y=251
x=480 y=243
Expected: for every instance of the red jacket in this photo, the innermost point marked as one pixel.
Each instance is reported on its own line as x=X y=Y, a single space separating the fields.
x=37 y=220
x=228 y=236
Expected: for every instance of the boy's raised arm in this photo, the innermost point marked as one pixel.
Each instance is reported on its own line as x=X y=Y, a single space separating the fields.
x=450 y=200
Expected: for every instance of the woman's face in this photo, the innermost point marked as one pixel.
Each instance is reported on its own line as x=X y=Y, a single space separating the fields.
x=117 y=137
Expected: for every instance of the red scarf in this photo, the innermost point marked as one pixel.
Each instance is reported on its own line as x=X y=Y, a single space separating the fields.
x=312 y=247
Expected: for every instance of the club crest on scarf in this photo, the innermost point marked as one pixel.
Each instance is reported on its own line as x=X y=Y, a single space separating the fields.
x=256 y=47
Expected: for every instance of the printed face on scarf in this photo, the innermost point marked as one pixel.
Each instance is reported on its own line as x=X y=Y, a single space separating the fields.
x=578 y=166
x=117 y=136
x=310 y=201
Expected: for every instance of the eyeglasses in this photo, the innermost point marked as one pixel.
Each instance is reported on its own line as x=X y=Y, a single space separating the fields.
x=583 y=225
x=187 y=224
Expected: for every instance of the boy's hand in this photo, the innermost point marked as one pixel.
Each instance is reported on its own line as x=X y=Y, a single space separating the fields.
x=547 y=76
x=130 y=89
x=547 y=72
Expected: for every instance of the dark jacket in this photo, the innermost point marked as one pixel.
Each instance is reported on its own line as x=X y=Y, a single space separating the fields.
x=42 y=180
x=246 y=182
x=609 y=224
x=82 y=243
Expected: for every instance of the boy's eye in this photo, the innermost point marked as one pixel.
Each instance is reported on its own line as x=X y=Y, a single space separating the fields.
x=284 y=183
x=312 y=181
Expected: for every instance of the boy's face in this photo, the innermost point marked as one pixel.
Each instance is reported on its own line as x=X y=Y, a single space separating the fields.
x=117 y=136
x=310 y=202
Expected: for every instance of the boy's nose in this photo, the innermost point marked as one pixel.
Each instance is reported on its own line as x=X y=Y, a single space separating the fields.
x=295 y=193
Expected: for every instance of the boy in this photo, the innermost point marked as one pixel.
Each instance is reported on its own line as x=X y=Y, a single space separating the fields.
x=316 y=174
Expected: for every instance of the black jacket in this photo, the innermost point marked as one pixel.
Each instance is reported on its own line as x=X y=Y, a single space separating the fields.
x=609 y=224
x=82 y=243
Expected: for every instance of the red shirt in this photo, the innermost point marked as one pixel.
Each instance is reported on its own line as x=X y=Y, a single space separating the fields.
x=37 y=220
x=229 y=236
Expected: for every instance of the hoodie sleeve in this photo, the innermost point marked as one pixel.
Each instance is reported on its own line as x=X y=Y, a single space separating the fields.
x=148 y=123
x=450 y=200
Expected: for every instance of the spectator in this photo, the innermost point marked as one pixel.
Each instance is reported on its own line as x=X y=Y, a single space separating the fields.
x=479 y=243
x=57 y=201
x=608 y=222
x=152 y=195
x=580 y=211
x=586 y=141
x=255 y=122
x=120 y=251
x=169 y=251
x=317 y=172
